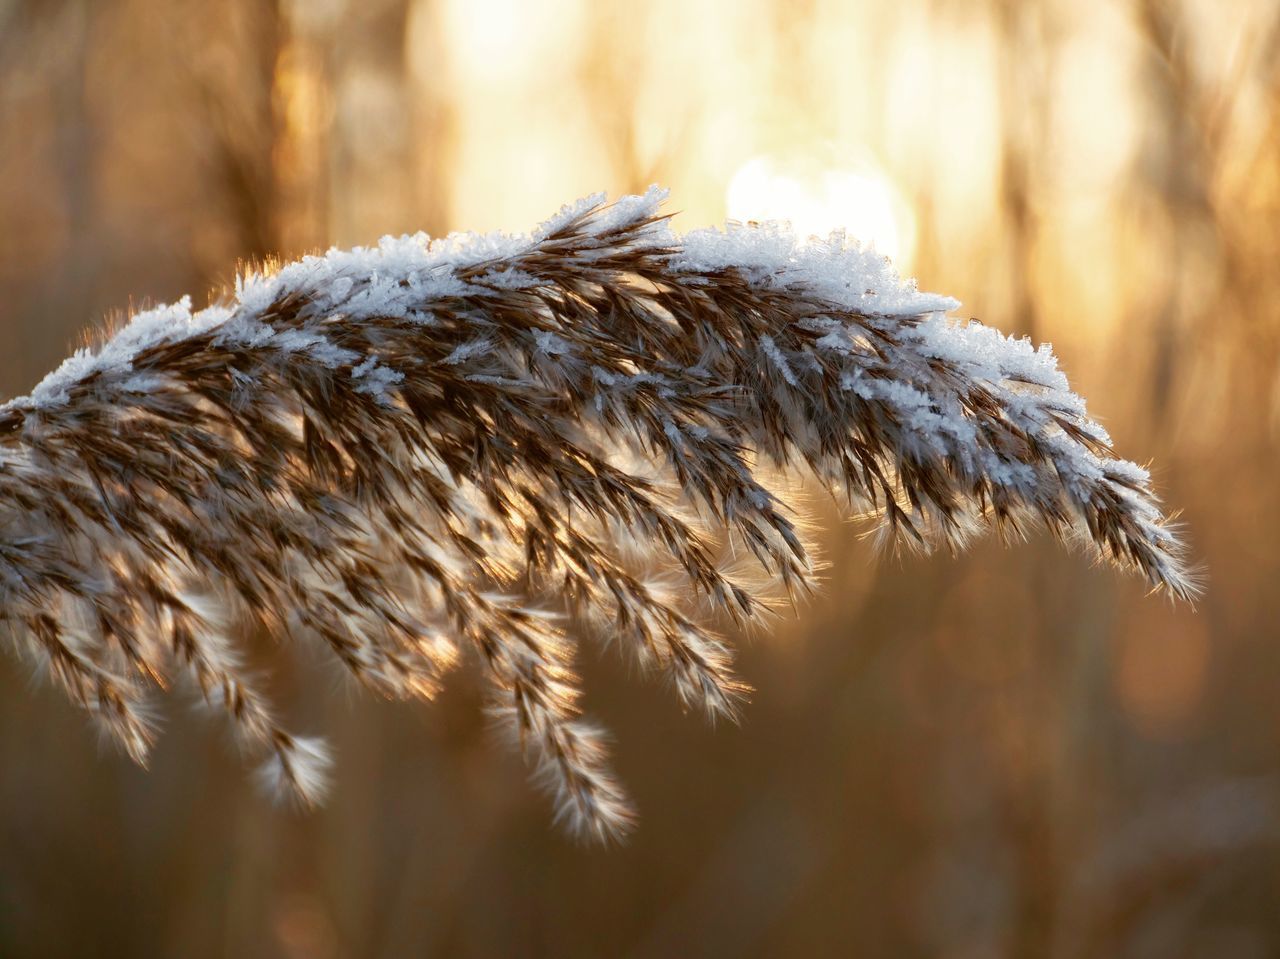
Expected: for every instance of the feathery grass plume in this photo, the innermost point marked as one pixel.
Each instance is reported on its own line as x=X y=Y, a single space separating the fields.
x=432 y=447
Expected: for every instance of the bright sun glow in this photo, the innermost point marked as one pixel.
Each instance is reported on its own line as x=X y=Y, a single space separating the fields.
x=862 y=202
x=492 y=41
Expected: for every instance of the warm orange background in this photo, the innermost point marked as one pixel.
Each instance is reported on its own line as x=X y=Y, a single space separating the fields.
x=1004 y=754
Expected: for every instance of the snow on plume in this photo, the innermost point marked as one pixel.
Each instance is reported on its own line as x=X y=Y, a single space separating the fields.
x=394 y=278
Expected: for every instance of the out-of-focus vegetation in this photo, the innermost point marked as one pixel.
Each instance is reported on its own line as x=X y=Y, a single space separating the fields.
x=1006 y=753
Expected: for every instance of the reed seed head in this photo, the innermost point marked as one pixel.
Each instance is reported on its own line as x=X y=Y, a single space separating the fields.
x=487 y=446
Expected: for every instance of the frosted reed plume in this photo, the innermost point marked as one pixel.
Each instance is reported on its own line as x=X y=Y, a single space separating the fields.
x=472 y=445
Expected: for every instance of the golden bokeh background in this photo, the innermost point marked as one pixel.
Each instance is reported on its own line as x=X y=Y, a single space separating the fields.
x=1006 y=753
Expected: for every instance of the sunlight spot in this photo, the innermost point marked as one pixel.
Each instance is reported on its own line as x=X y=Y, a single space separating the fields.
x=860 y=200
x=492 y=41
x=484 y=34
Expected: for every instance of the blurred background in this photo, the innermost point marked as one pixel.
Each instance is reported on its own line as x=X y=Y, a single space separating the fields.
x=1006 y=753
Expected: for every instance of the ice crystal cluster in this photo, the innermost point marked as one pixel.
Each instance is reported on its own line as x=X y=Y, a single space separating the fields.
x=487 y=447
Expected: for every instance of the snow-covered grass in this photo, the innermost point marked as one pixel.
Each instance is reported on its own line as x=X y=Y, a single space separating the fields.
x=428 y=447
